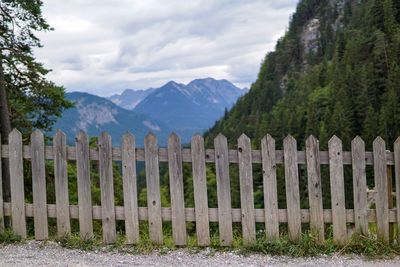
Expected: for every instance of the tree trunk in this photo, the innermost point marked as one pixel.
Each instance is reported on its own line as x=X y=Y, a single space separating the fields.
x=5 y=129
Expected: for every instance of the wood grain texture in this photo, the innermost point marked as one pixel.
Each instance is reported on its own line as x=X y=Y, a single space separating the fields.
x=84 y=186
x=381 y=188
x=270 y=188
x=359 y=186
x=396 y=150
x=39 y=192
x=107 y=189
x=153 y=188
x=337 y=190
x=200 y=191
x=292 y=187
x=315 y=189
x=61 y=184
x=176 y=190
x=17 y=184
x=129 y=179
x=246 y=190
x=223 y=190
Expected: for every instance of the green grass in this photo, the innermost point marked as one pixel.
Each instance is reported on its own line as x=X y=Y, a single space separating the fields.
x=307 y=246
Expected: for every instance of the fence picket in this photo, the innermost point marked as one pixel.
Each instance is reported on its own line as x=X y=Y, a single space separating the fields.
x=381 y=187
x=17 y=184
x=337 y=190
x=359 y=185
x=153 y=188
x=292 y=187
x=270 y=188
x=1 y=194
x=61 y=184
x=246 y=190
x=223 y=190
x=396 y=151
x=314 y=188
x=200 y=191
x=39 y=186
x=130 y=189
x=84 y=184
x=107 y=189
x=176 y=189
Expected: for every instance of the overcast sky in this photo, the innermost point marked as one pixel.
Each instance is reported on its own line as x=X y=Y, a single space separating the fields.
x=106 y=46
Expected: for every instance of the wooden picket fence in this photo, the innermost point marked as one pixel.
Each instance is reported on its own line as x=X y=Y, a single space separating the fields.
x=317 y=217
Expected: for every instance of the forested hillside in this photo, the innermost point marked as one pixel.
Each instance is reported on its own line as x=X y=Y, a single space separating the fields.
x=335 y=71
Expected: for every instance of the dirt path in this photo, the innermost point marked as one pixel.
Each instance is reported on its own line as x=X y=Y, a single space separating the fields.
x=50 y=254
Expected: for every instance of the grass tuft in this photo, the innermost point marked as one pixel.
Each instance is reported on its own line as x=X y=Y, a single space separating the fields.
x=9 y=237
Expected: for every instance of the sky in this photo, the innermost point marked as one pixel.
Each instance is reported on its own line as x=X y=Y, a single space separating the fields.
x=106 y=46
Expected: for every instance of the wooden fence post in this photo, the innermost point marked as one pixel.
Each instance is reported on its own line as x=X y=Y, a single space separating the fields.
x=246 y=190
x=176 y=189
x=17 y=183
x=270 y=188
x=292 y=187
x=359 y=186
x=39 y=186
x=153 y=188
x=200 y=191
x=337 y=190
x=381 y=187
x=315 y=188
x=130 y=189
x=107 y=189
x=397 y=177
x=84 y=186
x=223 y=190
x=61 y=184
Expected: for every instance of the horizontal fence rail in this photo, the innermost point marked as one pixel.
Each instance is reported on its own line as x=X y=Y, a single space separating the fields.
x=296 y=165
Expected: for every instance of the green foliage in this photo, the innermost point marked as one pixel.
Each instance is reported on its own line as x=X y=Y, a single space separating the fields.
x=8 y=237
x=34 y=102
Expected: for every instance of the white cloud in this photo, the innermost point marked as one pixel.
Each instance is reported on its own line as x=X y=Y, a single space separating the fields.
x=103 y=46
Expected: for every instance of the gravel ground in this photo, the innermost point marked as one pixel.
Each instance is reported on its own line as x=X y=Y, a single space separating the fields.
x=50 y=254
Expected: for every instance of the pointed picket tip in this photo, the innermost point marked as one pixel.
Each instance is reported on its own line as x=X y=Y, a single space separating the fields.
x=128 y=134
x=334 y=139
x=82 y=133
x=59 y=133
x=15 y=132
x=174 y=137
x=197 y=136
x=379 y=140
x=151 y=137
x=268 y=138
x=289 y=139
x=311 y=139
x=37 y=134
x=357 y=140
x=220 y=136
x=244 y=137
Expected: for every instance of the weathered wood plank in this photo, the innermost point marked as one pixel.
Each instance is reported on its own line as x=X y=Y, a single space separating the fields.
x=337 y=190
x=176 y=190
x=17 y=184
x=84 y=186
x=153 y=188
x=39 y=186
x=223 y=190
x=315 y=189
x=130 y=189
x=246 y=190
x=200 y=190
x=292 y=187
x=396 y=151
x=270 y=188
x=1 y=194
x=381 y=187
x=359 y=186
x=107 y=189
x=61 y=184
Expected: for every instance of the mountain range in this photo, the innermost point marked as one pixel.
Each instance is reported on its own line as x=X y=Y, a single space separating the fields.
x=184 y=109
